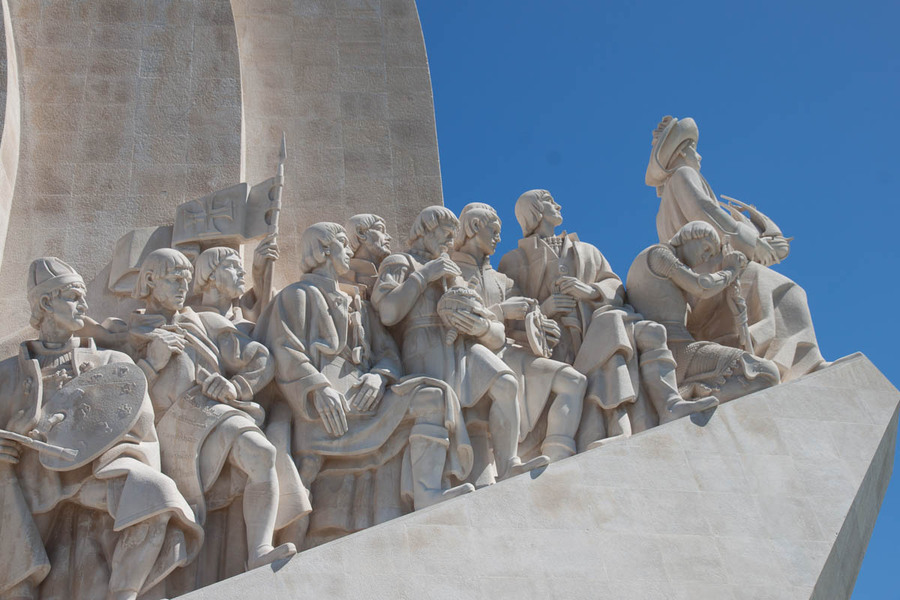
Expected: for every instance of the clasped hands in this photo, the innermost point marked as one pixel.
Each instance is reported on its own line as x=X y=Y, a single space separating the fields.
x=333 y=406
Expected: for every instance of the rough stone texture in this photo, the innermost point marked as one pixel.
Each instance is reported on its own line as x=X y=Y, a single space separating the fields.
x=11 y=121
x=131 y=107
x=774 y=497
x=348 y=82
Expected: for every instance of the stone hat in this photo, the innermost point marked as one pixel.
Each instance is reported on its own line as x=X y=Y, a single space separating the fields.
x=48 y=274
x=667 y=137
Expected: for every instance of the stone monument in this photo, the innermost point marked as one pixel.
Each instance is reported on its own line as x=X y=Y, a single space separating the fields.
x=539 y=430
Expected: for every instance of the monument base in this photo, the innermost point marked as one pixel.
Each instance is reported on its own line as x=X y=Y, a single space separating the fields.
x=775 y=495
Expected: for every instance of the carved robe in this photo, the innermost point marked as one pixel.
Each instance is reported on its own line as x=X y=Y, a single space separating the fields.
x=44 y=510
x=780 y=324
x=323 y=335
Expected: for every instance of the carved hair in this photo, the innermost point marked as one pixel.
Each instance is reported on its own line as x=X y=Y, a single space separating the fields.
x=159 y=263
x=430 y=219
x=530 y=210
x=207 y=263
x=358 y=225
x=37 y=310
x=314 y=243
x=695 y=230
x=473 y=214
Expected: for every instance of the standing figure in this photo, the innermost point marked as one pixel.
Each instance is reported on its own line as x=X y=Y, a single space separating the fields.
x=203 y=374
x=410 y=286
x=221 y=287
x=357 y=423
x=539 y=377
x=781 y=327
x=370 y=244
x=666 y=280
x=108 y=527
x=630 y=370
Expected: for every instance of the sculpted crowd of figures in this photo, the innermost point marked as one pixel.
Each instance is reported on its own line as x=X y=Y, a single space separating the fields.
x=220 y=430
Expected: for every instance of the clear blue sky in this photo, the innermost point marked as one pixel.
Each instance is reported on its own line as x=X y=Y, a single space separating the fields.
x=798 y=105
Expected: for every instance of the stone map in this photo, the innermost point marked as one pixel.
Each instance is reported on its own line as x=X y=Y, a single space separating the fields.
x=249 y=329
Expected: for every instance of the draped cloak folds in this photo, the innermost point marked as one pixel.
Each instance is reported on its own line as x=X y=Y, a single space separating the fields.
x=323 y=334
x=32 y=495
x=780 y=324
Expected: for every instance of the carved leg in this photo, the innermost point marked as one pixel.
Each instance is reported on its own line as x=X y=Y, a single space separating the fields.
x=658 y=375
x=428 y=443
x=254 y=455
x=504 y=426
x=134 y=555
x=564 y=414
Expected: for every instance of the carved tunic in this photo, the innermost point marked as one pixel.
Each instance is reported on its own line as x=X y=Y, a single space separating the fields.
x=124 y=482
x=780 y=324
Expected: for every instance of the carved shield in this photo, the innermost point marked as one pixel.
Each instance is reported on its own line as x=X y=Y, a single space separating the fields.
x=97 y=409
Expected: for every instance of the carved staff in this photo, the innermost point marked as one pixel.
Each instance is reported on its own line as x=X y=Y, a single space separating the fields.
x=43 y=447
x=265 y=294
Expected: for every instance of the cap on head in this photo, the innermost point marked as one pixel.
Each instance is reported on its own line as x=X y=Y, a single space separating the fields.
x=48 y=274
x=668 y=137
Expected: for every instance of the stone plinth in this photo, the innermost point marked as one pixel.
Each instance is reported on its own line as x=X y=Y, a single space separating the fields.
x=775 y=496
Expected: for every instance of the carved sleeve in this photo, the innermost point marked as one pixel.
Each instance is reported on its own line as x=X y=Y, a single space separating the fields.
x=698 y=204
x=397 y=289
x=662 y=261
x=247 y=363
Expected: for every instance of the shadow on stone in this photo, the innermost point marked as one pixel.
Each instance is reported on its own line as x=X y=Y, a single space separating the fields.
x=702 y=418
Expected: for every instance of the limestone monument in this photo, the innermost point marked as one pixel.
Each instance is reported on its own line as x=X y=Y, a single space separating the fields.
x=539 y=430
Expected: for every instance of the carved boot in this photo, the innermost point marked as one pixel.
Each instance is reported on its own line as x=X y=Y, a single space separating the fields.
x=558 y=447
x=260 y=506
x=658 y=377
x=428 y=453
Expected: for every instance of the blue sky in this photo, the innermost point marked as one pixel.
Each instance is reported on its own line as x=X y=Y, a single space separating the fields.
x=798 y=105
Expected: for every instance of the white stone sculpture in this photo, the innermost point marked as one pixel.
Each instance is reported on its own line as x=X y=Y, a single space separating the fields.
x=370 y=244
x=358 y=424
x=780 y=325
x=409 y=287
x=666 y=280
x=104 y=523
x=539 y=378
x=203 y=374
x=220 y=284
x=631 y=372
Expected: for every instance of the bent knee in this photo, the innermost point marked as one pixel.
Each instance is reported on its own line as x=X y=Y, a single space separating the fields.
x=254 y=452
x=505 y=387
x=570 y=381
x=427 y=402
x=649 y=335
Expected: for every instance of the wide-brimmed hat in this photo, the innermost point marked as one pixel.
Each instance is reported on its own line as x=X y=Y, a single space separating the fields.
x=667 y=138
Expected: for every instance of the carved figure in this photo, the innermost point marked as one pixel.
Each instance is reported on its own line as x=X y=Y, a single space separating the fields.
x=221 y=287
x=203 y=374
x=539 y=378
x=630 y=369
x=780 y=325
x=666 y=280
x=355 y=417
x=111 y=526
x=409 y=287
x=370 y=244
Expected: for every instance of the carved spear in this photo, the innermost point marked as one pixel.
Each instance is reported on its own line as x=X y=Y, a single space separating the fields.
x=265 y=294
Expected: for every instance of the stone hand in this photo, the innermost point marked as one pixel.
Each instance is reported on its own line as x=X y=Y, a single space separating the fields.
x=332 y=408
x=163 y=344
x=470 y=324
x=574 y=287
x=368 y=392
x=218 y=388
x=266 y=251
x=515 y=308
x=558 y=304
x=551 y=330
x=9 y=452
x=781 y=245
x=765 y=253
x=439 y=268
x=734 y=260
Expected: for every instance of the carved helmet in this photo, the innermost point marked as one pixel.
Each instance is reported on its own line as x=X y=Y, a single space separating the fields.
x=667 y=138
x=48 y=274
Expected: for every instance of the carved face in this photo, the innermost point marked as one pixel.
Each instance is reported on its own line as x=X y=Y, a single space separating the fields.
x=440 y=239
x=170 y=290
x=698 y=252
x=691 y=156
x=229 y=277
x=339 y=253
x=488 y=236
x=67 y=308
x=377 y=241
x=552 y=211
